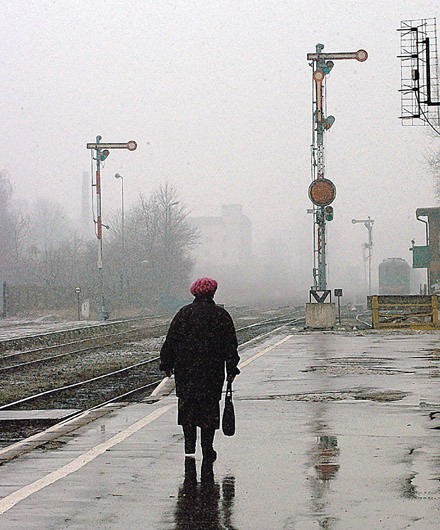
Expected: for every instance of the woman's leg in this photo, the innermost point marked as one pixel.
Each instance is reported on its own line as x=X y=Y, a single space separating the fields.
x=190 y=434
x=207 y=439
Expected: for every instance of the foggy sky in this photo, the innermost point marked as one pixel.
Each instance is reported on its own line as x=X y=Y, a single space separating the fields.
x=217 y=95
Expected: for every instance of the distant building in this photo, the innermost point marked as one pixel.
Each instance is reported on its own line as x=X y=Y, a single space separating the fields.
x=428 y=256
x=225 y=242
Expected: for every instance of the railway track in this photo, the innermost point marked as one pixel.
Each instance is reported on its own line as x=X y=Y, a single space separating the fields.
x=98 y=390
x=361 y=318
x=128 y=383
x=133 y=373
x=50 y=354
x=56 y=352
x=47 y=339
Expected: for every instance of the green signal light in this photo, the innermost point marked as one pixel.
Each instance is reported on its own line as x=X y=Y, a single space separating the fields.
x=328 y=213
x=104 y=154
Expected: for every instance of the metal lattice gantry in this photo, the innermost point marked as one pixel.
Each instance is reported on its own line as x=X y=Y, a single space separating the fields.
x=420 y=88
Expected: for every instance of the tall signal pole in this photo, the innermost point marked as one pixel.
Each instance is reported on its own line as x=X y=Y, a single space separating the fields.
x=102 y=150
x=322 y=191
x=368 y=223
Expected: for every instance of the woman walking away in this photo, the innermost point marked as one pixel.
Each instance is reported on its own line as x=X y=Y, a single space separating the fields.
x=200 y=344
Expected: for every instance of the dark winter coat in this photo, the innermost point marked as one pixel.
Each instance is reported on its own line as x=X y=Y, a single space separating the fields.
x=201 y=342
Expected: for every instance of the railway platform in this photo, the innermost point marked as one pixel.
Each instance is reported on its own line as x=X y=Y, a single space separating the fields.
x=335 y=430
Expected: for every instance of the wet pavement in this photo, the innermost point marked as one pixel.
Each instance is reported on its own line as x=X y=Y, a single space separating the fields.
x=334 y=431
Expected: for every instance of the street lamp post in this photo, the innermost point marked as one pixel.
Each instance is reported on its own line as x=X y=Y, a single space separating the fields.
x=167 y=242
x=118 y=176
x=78 y=292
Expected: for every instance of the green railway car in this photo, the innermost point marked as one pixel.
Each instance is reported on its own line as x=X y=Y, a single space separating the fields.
x=394 y=276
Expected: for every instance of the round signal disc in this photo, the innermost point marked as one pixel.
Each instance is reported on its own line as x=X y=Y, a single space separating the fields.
x=318 y=76
x=322 y=192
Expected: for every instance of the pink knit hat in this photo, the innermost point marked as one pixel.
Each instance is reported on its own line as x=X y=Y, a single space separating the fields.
x=203 y=286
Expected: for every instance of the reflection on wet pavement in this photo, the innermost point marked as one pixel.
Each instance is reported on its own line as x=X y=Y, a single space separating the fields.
x=203 y=505
x=327 y=451
x=324 y=457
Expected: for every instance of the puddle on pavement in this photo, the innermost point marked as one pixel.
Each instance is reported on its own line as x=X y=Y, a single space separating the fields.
x=370 y=395
x=356 y=366
x=358 y=370
x=434 y=353
x=408 y=489
x=382 y=395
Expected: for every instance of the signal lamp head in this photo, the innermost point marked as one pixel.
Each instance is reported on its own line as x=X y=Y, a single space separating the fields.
x=104 y=154
x=328 y=213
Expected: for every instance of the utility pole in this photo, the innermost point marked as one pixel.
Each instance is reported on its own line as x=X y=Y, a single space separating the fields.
x=322 y=191
x=102 y=150
x=368 y=223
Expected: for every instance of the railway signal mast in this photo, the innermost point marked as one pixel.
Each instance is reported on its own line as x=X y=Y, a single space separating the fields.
x=322 y=191
x=368 y=223
x=102 y=151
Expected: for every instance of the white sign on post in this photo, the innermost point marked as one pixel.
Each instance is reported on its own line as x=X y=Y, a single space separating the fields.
x=85 y=310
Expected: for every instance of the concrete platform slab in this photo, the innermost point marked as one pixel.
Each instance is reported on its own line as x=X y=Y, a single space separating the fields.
x=333 y=431
x=36 y=415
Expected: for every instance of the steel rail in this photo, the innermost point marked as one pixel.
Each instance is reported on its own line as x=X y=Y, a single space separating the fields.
x=363 y=321
x=55 y=346
x=96 y=338
x=77 y=384
x=144 y=387
x=267 y=321
x=126 y=394
x=267 y=333
x=154 y=359
x=52 y=357
x=66 y=344
x=79 y=329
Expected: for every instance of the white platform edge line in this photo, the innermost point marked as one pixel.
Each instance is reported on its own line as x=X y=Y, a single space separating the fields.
x=11 y=500
x=14 y=498
x=262 y=352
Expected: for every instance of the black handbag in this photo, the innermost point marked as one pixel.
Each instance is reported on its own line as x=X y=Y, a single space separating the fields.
x=228 y=420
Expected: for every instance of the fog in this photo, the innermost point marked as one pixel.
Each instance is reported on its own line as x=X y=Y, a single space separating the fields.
x=217 y=95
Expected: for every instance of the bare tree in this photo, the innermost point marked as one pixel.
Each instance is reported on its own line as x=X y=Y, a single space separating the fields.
x=434 y=168
x=13 y=227
x=158 y=240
